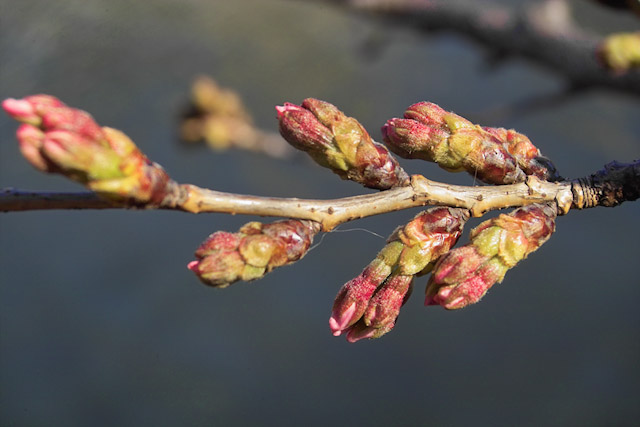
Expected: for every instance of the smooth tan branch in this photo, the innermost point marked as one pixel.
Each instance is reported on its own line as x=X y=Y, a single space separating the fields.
x=616 y=183
x=329 y=213
x=420 y=192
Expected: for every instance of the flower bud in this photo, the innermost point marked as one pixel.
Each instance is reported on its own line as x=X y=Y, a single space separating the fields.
x=384 y=306
x=339 y=143
x=620 y=52
x=464 y=275
x=429 y=114
x=30 y=109
x=493 y=155
x=525 y=153
x=353 y=298
x=59 y=139
x=30 y=140
x=253 y=251
x=368 y=305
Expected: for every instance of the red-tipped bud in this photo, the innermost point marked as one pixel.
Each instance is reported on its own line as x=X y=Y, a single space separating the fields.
x=525 y=153
x=411 y=139
x=30 y=109
x=302 y=129
x=339 y=143
x=361 y=331
x=351 y=302
x=384 y=306
x=429 y=114
x=493 y=155
x=463 y=275
x=253 y=251
x=368 y=305
x=56 y=138
x=30 y=140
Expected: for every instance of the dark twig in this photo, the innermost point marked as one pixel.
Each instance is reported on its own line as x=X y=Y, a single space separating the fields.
x=565 y=50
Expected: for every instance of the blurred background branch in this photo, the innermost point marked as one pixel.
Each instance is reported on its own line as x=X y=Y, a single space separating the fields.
x=543 y=32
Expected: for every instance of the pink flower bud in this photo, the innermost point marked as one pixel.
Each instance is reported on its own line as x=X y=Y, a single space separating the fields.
x=68 y=141
x=253 y=251
x=368 y=305
x=464 y=275
x=361 y=331
x=302 y=129
x=73 y=120
x=30 y=109
x=351 y=302
x=429 y=114
x=30 y=140
x=339 y=143
x=492 y=155
x=411 y=139
x=384 y=306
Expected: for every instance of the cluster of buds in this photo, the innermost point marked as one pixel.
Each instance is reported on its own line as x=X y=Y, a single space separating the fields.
x=253 y=251
x=621 y=52
x=339 y=143
x=59 y=139
x=493 y=155
x=368 y=305
x=217 y=116
x=462 y=276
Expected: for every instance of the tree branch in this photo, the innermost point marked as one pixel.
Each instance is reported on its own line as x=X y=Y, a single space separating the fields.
x=613 y=185
x=562 y=48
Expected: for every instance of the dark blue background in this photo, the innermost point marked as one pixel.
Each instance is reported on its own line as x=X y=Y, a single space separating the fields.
x=102 y=324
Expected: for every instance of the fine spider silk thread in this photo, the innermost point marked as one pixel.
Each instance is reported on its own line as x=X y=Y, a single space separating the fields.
x=336 y=230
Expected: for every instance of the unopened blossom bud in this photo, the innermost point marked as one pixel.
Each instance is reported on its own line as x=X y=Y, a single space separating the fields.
x=620 y=52
x=384 y=306
x=493 y=155
x=339 y=143
x=59 y=139
x=31 y=109
x=360 y=330
x=429 y=114
x=368 y=305
x=529 y=158
x=464 y=275
x=30 y=140
x=253 y=251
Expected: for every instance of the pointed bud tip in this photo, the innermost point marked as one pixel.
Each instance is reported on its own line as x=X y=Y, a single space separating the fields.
x=340 y=321
x=356 y=335
x=455 y=304
x=281 y=109
x=193 y=266
x=17 y=108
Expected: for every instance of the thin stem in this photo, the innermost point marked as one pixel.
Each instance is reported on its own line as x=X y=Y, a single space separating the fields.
x=609 y=187
x=420 y=192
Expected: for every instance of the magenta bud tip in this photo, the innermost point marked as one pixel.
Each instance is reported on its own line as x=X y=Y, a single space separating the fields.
x=17 y=107
x=281 y=109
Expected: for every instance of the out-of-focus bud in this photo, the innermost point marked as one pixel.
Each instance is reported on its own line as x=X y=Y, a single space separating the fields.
x=253 y=251
x=30 y=109
x=620 y=52
x=493 y=155
x=339 y=143
x=368 y=305
x=59 y=139
x=217 y=116
x=463 y=275
x=30 y=140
